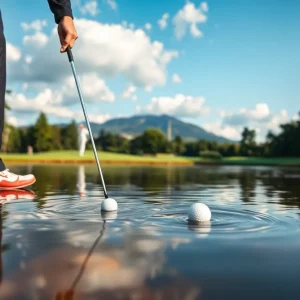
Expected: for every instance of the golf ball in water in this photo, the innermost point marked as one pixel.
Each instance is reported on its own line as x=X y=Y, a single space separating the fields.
x=109 y=204
x=199 y=212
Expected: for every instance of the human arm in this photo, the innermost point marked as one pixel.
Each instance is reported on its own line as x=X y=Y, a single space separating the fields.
x=63 y=16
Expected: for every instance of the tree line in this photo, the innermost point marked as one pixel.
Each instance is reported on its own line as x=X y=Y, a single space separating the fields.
x=45 y=137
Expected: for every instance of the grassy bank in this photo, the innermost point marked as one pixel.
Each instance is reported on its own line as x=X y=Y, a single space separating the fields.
x=71 y=157
x=105 y=158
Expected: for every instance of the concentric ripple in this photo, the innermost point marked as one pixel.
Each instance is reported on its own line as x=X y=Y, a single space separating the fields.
x=228 y=221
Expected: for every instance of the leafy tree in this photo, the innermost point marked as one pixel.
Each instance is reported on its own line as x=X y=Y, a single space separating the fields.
x=56 y=138
x=14 y=141
x=179 y=147
x=248 y=143
x=153 y=141
x=42 y=134
x=70 y=136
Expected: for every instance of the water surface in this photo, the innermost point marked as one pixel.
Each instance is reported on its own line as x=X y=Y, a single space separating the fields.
x=58 y=245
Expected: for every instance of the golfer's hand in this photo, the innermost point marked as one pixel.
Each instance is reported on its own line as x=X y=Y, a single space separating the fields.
x=67 y=33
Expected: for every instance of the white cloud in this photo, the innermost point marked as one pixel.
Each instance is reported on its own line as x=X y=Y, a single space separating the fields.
x=189 y=16
x=51 y=103
x=148 y=26
x=204 y=6
x=163 y=22
x=148 y=89
x=129 y=92
x=112 y=4
x=176 y=78
x=123 y=52
x=90 y=8
x=13 y=53
x=14 y=121
x=93 y=88
x=260 y=118
x=226 y=131
x=180 y=105
x=37 y=40
x=99 y=118
x=36 y=25
x=244 y=116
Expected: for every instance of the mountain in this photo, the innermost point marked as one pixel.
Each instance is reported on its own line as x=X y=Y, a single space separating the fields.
x=135 y=125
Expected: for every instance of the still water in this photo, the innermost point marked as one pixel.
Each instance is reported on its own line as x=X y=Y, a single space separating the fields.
x=56 y=243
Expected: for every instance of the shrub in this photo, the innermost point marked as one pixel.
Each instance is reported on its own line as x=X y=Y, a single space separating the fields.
x=210 y=154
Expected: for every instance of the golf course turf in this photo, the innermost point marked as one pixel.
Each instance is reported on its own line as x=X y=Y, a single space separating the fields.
x=71 y=157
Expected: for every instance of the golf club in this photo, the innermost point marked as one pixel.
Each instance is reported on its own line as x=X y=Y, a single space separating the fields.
x=71 y=60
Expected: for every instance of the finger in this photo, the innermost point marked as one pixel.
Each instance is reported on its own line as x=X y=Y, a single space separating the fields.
x=66 y=42
x=60 y=35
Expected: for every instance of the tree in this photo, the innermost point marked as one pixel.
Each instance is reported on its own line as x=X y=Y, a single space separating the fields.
x=153 y=141
x=14 y=142
x=42 y=134
x=70 y=136
x=56 y=138
x=179 y=147
x=248 y=143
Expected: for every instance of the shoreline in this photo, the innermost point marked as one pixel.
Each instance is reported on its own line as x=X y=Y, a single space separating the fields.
x=150 y=162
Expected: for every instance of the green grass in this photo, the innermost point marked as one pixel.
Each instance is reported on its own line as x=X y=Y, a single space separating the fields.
x=106 y=157
x=103 y=156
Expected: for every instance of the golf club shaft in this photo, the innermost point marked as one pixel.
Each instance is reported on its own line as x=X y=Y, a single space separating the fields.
x=71 y=59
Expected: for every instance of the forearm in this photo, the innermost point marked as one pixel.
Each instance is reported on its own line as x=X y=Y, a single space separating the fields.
x=60 y=9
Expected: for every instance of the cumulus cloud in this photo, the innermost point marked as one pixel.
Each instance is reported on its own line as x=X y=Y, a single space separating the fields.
x=13 y=53
x=180 y=105
x=190 y=17
x=36 y=25
x=90 y=8
x=125 y=52
x=163 y=22
x=226 y=131
x=244 y=116
x=112 y=4
x=130 y=93
x=176 y=78
x=51 y=103
x=148 y=26
x=260 y=118
x=204 y=6
x=36 y=40
x=93 y=88
x=14 y=121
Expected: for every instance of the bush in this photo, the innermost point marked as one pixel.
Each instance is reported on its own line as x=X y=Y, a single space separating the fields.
x=210 y=154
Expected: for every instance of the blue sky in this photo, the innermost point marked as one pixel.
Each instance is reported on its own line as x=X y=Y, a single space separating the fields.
x=238 y=62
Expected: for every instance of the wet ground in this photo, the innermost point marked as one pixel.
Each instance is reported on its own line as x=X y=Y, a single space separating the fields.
x=56 y=243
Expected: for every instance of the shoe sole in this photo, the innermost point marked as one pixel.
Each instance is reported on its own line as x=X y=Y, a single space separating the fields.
x=19 y=187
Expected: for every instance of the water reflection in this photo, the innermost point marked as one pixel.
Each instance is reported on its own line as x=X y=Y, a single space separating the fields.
x=81 y=184
x=127 y=268
x=57 y=244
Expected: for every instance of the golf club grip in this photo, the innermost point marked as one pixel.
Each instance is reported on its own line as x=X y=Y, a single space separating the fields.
x=70 y=54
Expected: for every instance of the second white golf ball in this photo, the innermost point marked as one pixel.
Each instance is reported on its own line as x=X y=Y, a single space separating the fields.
x=109 y=204
x=199 y=212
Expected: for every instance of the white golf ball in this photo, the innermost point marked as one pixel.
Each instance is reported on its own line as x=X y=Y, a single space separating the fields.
x=199 y=212
x=109 y=204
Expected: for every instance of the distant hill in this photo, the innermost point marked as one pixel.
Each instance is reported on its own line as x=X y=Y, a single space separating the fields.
x=136 y=125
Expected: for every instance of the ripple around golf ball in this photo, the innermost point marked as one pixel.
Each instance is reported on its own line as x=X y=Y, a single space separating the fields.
x=199 y=212
x=109 y=204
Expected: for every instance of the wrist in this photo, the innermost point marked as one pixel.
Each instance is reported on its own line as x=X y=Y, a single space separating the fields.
x=66 y=18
